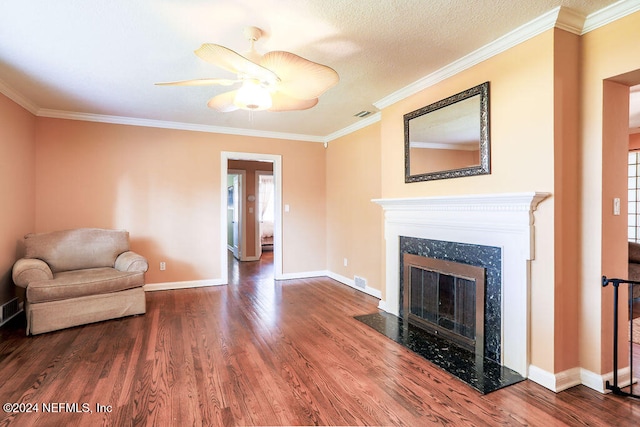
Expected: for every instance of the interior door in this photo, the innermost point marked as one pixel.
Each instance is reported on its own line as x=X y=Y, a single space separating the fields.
x=236 y=217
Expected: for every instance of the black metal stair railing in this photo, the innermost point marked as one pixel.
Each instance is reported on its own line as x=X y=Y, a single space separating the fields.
x=615 y=388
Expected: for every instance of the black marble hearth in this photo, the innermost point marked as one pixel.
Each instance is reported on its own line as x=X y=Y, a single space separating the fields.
x=485 y=375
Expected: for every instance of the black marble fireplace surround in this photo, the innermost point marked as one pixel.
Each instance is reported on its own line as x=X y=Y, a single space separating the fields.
x=484 y=373
x=480 y=256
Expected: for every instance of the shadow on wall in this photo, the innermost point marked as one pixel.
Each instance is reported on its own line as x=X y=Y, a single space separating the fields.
x=154 y=254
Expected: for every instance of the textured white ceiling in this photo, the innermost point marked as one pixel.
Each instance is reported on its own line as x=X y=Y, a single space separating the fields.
x=103 y=57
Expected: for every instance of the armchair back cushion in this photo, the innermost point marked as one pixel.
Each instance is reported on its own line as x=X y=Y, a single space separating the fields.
x=77 y=249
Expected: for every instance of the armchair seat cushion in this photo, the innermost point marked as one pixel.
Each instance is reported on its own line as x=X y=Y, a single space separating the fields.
x=79 y=283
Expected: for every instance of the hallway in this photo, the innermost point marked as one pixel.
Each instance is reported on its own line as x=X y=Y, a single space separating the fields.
x=253 y=271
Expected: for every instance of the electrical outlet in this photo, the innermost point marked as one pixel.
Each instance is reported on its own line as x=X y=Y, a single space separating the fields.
x=163 y=266
x=346 y=262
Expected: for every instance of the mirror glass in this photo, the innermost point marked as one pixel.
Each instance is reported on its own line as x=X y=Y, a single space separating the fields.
x=449 y=138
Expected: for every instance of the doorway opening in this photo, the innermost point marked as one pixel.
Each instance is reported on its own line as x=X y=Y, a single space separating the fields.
x=621 y=124
x=633 y=224
x=253 y=209
x=265 y=215
x=235 y=211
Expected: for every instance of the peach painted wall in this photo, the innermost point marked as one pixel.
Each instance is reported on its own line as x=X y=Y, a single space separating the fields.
x=607 y=52
x=304 y=191
x=354 y=223
x=521 y=98
x=566 y=88
x=522 y=158
x=17 y=187
x=634 y=141
x=163 y=186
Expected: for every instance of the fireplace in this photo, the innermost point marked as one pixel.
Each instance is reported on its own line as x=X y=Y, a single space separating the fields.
x=465 y=263
x=491 y=231
x=493 y=234
x=446 y=298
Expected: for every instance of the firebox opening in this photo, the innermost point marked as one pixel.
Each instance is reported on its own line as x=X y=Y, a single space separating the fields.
x=446 y=298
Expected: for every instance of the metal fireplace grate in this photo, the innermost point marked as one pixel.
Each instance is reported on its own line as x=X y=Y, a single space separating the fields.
x=446 y=298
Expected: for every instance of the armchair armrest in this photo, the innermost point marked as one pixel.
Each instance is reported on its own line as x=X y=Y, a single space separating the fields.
x=131 y=261
x=27 y=270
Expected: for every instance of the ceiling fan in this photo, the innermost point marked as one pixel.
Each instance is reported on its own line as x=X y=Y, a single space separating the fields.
x=275 y=81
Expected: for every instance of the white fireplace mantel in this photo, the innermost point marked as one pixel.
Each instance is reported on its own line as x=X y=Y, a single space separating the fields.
x=500 y=220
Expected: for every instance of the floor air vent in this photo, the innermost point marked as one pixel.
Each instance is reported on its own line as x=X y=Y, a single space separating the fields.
x=9 y=310
x=360 y=282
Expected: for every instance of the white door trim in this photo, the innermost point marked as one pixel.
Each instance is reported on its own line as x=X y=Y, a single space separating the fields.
x=225 y=156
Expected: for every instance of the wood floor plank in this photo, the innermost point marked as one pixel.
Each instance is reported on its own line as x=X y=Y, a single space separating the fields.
x=260 y=352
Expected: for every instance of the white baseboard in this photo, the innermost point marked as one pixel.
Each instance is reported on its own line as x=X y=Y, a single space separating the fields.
x=598 y=382
x=542 y=377
x=287 y=276
x=567 y=379
x=350 y=282
x=342 y=279
x=302 y=275
x=555 y=382
x=575 y=376
x=325 y=273
x=150 y=287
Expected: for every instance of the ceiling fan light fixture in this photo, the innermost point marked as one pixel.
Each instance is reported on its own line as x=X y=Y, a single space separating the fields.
x=275 y=81
x=253 y=96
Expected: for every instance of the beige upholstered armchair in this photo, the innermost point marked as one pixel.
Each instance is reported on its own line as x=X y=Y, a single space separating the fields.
x=80 y=276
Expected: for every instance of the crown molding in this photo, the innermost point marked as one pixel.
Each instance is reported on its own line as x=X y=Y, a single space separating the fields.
x=131 y=121
x=560 y=17
x=509 y=40
x=609 y=14
x=354 y=127
x=17 y=97
x=569 y=20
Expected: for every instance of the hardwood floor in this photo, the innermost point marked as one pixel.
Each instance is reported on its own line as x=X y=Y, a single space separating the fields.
x=259 y=352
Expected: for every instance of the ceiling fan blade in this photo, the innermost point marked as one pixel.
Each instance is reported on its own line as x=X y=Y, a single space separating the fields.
x=283 y=102
x=232 y=61
x=299 y=77
x=200 y=82
x=223 y=102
